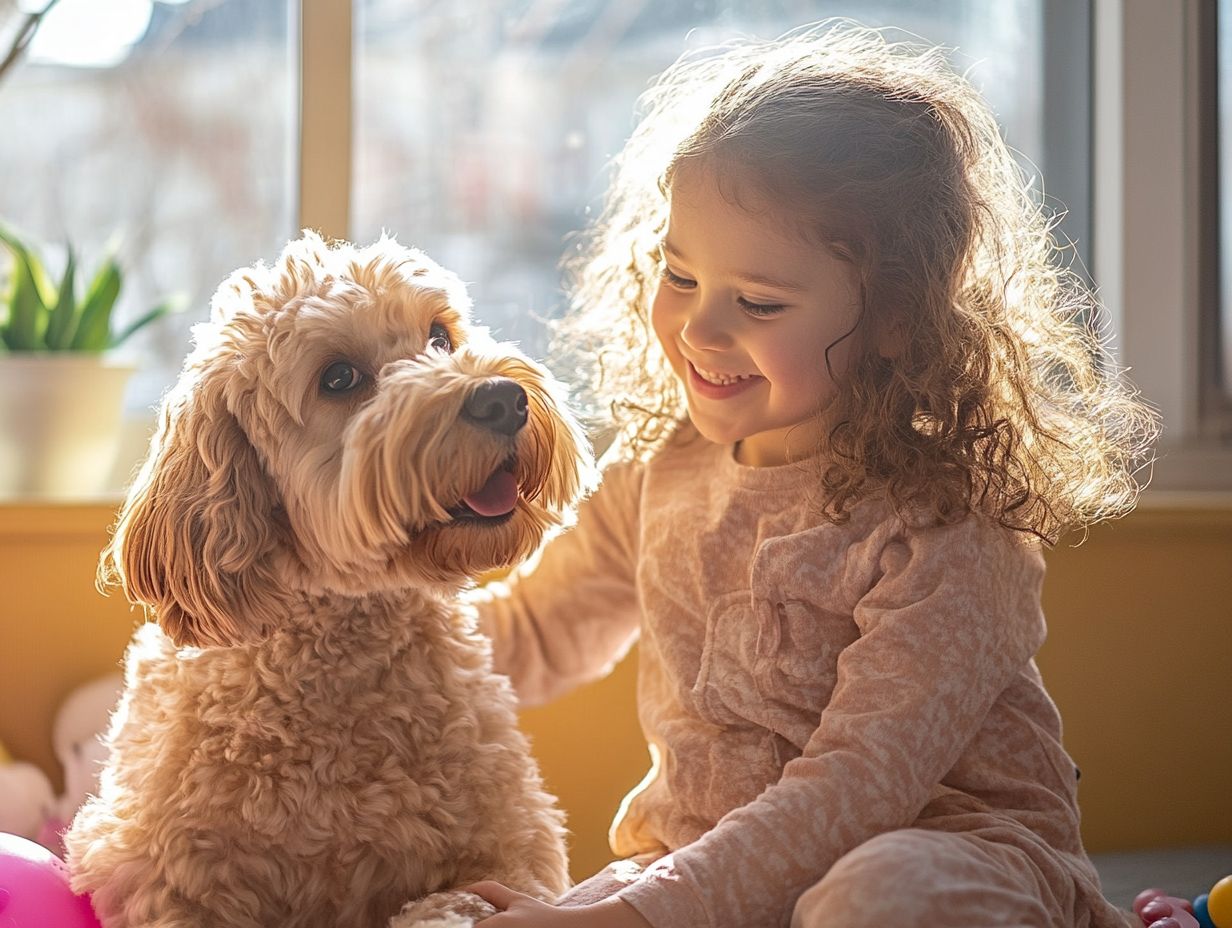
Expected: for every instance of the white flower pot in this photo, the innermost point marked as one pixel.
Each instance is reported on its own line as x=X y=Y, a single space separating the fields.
x=60 y=418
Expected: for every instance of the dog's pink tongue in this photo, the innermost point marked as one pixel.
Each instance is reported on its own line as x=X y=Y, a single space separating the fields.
x=496 y=497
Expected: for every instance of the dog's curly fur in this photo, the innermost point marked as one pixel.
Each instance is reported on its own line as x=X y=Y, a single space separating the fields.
x=311 y=734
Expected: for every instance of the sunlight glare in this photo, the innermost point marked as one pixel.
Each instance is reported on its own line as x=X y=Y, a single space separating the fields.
x=89 y=33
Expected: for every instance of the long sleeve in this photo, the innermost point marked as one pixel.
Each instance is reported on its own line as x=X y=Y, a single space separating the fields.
x=951 y=617
x=570 y=614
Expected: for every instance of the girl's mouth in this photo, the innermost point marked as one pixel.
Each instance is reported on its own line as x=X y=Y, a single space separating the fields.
x=719 y=391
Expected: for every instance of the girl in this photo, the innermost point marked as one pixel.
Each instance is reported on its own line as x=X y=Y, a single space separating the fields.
x=854 y=393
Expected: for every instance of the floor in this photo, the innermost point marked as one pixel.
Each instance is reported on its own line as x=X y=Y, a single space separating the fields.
x=1185 y=872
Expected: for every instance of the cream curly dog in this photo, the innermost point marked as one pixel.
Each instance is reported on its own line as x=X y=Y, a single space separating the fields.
x=311 y=734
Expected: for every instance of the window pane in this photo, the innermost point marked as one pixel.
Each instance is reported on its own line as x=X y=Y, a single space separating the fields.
x=483 y=126
x=168 y=127
x=1223 y=94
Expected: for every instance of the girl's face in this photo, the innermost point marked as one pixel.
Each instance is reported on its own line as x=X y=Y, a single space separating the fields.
x=745 y=313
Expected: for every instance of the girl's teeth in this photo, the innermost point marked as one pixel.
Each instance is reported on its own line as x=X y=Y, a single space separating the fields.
x=720 y=380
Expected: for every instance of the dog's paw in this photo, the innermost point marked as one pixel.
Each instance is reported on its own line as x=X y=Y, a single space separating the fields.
x=452 y=909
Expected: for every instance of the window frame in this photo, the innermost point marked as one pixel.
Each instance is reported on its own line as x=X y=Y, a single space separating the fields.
x=325 y=30
x=1068 y=149
x=1148 y=227
x=1216 y=385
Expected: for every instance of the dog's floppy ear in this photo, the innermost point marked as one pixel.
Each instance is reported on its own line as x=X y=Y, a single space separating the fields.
x=572 y=473
x=195 y=537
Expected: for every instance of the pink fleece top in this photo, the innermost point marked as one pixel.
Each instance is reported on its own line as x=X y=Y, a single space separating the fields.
x=803 y=686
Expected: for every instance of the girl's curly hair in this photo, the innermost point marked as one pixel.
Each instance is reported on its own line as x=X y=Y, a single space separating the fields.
x=997 y=396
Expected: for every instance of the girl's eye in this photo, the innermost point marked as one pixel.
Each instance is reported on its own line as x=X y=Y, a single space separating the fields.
x=760 y=309
x=340 y=378
x=675 y=280
x=438 y=338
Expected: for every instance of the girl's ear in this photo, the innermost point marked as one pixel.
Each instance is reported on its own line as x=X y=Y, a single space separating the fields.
x=196 y=536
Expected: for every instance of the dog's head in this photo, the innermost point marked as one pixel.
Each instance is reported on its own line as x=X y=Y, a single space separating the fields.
x=340 y=426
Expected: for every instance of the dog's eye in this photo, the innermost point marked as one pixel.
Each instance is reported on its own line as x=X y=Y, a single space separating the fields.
x=438 y=338
x=341 y=377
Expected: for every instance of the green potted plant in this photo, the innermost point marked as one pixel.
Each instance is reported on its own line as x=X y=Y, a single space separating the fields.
x=61 y=392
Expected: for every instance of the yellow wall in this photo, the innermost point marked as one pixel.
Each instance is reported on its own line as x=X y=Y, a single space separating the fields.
x=1139 y=659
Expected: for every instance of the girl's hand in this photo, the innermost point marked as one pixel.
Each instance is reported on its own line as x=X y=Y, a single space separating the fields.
x=521 y=911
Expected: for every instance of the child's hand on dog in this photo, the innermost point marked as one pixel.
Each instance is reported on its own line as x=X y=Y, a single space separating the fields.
x=517 y=909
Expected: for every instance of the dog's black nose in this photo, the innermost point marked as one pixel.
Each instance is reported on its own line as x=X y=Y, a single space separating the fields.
x=498 y=405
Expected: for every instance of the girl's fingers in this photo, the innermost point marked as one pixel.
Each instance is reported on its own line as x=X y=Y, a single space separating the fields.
x=490 y=891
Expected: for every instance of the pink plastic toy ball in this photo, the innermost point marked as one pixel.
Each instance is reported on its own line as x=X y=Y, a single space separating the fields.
x=1153 y=911
x=34 y=890
x=1157 y=909
x=1146 y=896
x=1178 y=919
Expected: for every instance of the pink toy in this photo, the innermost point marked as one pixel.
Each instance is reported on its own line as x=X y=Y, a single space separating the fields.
x=1159 y=910
x=28 y=806
x=34 y=890
x=1145 y=897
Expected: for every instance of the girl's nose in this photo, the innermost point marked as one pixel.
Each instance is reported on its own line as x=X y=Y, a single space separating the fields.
x=704 y=326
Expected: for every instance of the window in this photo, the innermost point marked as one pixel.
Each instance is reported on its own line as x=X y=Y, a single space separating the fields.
x=479 y=131
x=166 y=128
x=483 y=127
x=1217 y=172
x=1156 y=231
